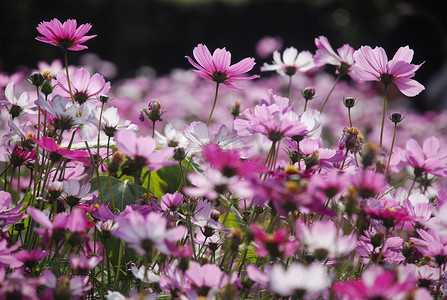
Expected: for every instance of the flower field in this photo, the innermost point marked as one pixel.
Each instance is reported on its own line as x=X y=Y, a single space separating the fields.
x=312 y=179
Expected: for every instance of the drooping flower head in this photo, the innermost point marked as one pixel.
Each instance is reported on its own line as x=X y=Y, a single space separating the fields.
x=343 y=59
x=67 y=35
x=373 y=65
x=217 y=67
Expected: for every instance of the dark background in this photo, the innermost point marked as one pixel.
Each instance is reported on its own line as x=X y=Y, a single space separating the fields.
x=159 y=34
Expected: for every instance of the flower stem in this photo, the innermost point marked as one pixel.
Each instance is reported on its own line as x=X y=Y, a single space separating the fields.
x=305 y=105
x=349 y=115
x=330 y=92
x=392 y=146
x=68 y=75
x=289 y=87
x=214 y=105
x=383 y=115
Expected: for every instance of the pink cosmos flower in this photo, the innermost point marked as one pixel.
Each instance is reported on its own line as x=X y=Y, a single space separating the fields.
x=343 y=59
x=376 y=283
x=55 y=153
x=217 y=67
x=276 y=245
x=199 y=135
x=267 y=45
x=213 y=183
x=142 y=150
x=30 y=258
x=206 y=281
x=430 y=158
x=82 y=264
x=373 y=65
x=324 y=241
x=8 y=214
x=83 y=86
x=55 y=229
x=18 y=156
x=230 y=162
x=145 y=233
x=66 y=35
x=274 y=118
x=292 y=61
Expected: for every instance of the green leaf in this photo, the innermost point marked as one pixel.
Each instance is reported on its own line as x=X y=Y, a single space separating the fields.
x=158 y=185
x=231 y=220
x=172 y=176
x=125 y=192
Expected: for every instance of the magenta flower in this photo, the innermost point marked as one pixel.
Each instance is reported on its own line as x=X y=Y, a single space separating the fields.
x=66 y=35
x=343 y=60
x=373 y=65
x=376 y=283
x=19 y=156
x=217 y=67
x=55 y=153
x=83 y=86
x=275 y=245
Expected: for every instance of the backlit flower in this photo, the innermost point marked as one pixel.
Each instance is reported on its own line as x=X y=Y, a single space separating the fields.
x=292 y=62
x=373 y=65
x=83 y=86
x=217 y=67
x=66 y=35
x=343 y=59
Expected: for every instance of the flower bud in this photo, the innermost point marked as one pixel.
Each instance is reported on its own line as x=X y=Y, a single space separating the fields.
x=179 y=154
x=308 y=93
x=369 y=153
x=154 y=112
x=103 y=99
x=236 y=109
x=396 y=118
x=116 y=162
x=349 y=102
x=36 y=79
x=46 y=87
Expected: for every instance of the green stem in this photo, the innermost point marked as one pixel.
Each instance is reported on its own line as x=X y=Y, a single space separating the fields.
x=383 y=115
x=305 y=104
x=118 y=268
x=330 y=92
x=392 y=146
x=97 y=173
x=68 y=75
x=111 y=192
x=153 y=128
x=99 y=135
x=349 y=115
x=214 y=105
x=289 y=87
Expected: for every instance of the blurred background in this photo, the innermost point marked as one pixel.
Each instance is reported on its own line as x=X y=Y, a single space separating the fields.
x=154 y=36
